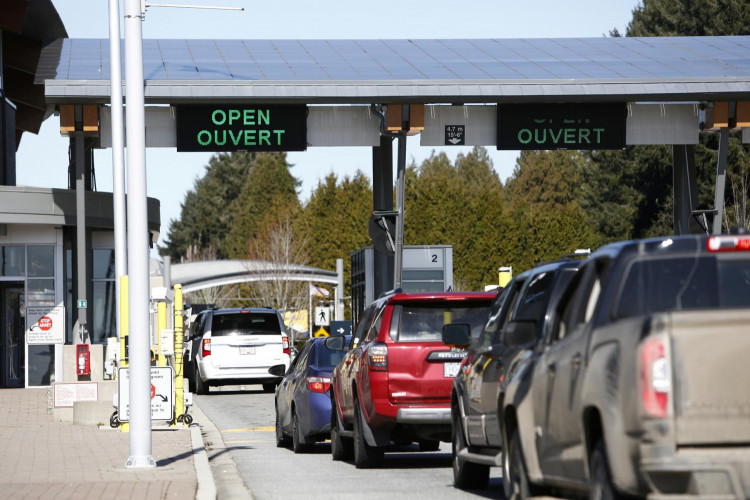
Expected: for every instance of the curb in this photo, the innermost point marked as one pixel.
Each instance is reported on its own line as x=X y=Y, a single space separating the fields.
x=218 y=477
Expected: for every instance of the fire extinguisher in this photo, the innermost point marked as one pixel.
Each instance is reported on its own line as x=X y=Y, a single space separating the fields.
x=83 y=360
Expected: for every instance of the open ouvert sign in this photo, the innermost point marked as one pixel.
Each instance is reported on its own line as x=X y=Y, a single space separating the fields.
x=240 y=127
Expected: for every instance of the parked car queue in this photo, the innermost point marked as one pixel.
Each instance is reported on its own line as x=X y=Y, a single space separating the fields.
x=620 y=374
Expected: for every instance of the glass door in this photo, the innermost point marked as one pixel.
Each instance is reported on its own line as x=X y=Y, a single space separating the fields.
x=12 y=332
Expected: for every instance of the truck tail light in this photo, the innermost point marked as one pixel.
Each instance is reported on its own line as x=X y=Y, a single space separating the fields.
x=206 y=348
x=319 y=384
x=285 y=344
x=656 y=383
x=378 y=357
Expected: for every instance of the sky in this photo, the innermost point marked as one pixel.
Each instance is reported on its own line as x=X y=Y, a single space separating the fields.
x=41 y=160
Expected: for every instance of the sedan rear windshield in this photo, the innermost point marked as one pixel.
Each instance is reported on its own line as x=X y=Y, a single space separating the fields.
x=660 y=285
x=424 y=323
x=245 y=324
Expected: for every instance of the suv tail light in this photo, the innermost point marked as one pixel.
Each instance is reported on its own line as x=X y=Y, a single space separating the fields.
x=656 y=383
x=285 y=344
x=728 y=243
x=378 y=357
x=206 y=347
x=318 y=384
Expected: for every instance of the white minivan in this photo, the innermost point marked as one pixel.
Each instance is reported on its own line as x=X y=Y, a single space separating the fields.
x=236 y=346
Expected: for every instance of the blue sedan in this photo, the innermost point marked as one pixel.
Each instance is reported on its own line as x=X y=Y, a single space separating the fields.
x=303 y=401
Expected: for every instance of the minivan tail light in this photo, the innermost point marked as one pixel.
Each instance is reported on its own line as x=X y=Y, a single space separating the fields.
x=378 y=357
x=656 y=383
x=319 y=384
x=285 y=344
x=206 y=347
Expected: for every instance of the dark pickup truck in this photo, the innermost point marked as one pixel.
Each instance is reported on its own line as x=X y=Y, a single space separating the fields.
x=640 y=386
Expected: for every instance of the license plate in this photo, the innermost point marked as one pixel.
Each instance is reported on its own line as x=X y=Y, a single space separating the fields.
x=247 y=350
x=450 y=370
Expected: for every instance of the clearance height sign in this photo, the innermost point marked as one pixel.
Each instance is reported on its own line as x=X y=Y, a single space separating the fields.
x=561 y=126
x=241 y=128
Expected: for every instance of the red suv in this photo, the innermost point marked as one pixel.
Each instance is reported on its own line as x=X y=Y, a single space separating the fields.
x=394 y=383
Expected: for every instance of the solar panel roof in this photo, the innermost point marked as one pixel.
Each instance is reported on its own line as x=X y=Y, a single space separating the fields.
x=430 y=71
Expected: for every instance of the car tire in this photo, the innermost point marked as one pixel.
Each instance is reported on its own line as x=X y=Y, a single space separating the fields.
x=201 y=387
x=299 y=445
x=429 y=445
x=515 y=478
x=269 y=387
x=365 y=456
x=466 y=475
x=341 y=447
x=281 y=439
x=600 y=476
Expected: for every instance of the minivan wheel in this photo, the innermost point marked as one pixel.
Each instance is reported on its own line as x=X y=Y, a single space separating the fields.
x=515 y=478
x=269 y=387
x=466 y=475
x=600 y=477
x=201 y=387
x=365 y=456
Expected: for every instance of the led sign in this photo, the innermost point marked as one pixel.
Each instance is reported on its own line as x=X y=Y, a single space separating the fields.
x=561 y=126
x=241 y=128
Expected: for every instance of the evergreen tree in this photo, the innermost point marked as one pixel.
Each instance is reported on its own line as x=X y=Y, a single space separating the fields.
x=335 y=221
x=205 y=218
x=269 y=187
x=644 y=174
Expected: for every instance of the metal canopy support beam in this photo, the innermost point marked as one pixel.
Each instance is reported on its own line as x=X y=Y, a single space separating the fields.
x=721 y=175
x=685 y=188
x=400 y=194
x=382 y=200
x=82 y=183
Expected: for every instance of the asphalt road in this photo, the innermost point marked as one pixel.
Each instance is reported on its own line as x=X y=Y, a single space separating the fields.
x=245 y=417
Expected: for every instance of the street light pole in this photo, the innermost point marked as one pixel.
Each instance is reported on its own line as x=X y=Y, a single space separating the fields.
x=138 y=245
x=118 y=167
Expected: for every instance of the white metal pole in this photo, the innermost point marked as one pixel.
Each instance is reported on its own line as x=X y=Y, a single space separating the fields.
x=118 y=165
x=339 y=302
x=138 y=245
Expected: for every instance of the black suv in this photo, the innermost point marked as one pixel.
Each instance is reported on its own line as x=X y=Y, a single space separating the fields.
x=515 y=325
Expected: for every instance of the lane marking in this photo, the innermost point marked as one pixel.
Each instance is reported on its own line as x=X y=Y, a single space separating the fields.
x=253 y=429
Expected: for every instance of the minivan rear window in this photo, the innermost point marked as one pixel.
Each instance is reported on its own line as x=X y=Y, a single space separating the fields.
x=252 y=323
x=424 y=323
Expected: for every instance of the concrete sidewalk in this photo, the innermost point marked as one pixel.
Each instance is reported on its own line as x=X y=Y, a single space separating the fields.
x=44 y=458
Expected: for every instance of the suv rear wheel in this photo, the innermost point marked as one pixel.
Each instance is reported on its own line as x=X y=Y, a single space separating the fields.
x=515 y=478
x=466 y=475
x=365 y=456
x=341 y=447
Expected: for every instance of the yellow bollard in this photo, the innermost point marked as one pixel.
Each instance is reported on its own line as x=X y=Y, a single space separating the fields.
x=179 y=387
x=504 y=275
x=124 y=426
x=161 y=320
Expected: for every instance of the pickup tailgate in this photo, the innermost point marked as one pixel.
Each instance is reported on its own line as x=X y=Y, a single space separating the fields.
x=711 y=369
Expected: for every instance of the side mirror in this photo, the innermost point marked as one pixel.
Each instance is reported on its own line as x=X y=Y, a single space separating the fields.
x=335 y=343
x=521 y=333
x=457 y=334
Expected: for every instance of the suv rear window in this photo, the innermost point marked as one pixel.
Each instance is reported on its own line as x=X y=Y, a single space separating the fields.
x=250 y=323
x=424 y=323
x=659 y=285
